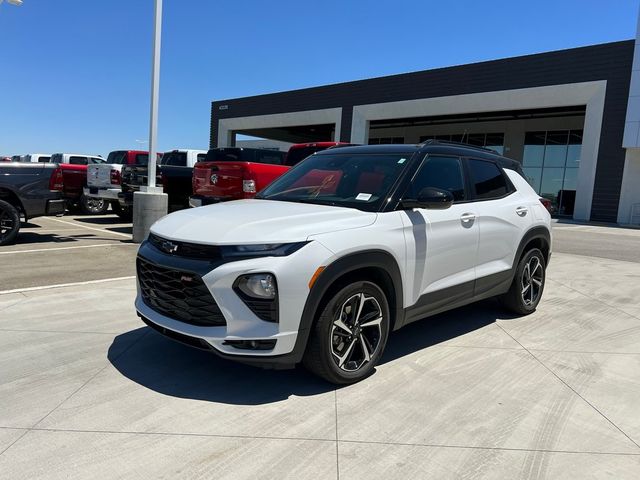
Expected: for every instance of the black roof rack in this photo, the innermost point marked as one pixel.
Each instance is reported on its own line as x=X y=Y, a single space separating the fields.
x=432 y=141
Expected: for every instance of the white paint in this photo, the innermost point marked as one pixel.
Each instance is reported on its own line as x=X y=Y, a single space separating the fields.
x=227 y=126
x=61 y=285
x=88 y=228
x=630 y=189
x=591 y=94
x=68 y=248
x=631 y=137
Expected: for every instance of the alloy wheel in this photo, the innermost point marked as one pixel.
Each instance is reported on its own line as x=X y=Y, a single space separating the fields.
x=532 y=279
x=356 y=332
x=7 y=224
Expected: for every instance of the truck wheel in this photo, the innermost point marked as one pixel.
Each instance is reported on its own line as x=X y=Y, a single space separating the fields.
x=350 y=335
x=125 y=213
x=9 y=223
x=93 y=206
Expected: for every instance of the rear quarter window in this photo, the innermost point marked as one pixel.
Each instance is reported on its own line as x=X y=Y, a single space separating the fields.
x=488 y=180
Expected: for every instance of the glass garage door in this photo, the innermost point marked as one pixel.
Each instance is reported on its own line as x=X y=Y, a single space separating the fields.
x=494 y=141
x=550 y=162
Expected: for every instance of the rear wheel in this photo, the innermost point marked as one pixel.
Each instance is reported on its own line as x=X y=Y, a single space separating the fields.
x=125 y=213
x=349 y=337
x=9 y=223
x=93 y=206
x=528 y=284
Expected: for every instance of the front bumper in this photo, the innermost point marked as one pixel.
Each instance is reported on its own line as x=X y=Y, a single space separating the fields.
x=102 y=192
x=292 y=272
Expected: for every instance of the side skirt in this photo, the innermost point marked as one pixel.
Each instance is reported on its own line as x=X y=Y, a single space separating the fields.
x=459 y=295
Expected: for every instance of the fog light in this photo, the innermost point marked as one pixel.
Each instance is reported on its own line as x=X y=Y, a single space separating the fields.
x=259 y=285
x=251 y=344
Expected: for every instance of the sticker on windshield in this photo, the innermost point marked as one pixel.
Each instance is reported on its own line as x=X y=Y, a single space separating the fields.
x=402 y=160
x=363 y=196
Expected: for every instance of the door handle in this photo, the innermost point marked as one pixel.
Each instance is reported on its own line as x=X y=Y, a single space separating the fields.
x=467 y=218
x=522 y=211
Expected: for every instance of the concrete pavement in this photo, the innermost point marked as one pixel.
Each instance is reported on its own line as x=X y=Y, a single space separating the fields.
x=87 y=391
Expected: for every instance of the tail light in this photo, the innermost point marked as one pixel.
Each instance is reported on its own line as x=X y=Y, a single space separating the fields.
x=115 y=177
x=56 y=181
x=249 y=186
x=546 y=203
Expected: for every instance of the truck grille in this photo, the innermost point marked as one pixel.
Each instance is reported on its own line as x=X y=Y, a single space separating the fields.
x=177 y=294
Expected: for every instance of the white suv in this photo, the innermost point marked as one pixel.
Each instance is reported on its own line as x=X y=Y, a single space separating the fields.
x=348 y=245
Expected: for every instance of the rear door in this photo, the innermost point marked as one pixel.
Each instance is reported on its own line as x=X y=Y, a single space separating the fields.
x=503 y=214
x=441 y=244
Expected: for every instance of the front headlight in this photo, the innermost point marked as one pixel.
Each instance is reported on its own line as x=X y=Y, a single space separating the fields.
x=261 y=250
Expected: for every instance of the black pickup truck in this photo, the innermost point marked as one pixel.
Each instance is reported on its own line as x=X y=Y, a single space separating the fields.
x=28 y=190
x=173 y=173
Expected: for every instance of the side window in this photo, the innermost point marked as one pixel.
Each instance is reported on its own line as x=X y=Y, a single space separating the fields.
x=439 y=172
x=201 y=157
x=78 y=160
x=142 y=159
x=488 y=180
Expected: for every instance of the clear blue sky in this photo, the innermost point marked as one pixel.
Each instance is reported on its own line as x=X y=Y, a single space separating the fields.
x=75 y=74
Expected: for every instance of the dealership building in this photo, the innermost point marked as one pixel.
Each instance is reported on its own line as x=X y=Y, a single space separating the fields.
x=572 y=117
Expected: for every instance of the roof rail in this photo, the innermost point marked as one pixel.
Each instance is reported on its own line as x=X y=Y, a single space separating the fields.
x=432 y=141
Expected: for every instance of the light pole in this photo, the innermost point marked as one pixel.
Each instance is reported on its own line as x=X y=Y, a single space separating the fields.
x=150 y=204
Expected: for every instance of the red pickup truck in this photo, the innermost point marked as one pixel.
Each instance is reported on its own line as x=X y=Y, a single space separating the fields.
x=236 y=173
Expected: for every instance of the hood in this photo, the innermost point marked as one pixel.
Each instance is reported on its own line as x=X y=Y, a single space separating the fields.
x=258 y=221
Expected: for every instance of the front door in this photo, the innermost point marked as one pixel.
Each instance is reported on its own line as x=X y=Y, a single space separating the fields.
x=441 y=244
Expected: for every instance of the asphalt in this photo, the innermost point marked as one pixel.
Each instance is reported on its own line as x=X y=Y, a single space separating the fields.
x=87 y=391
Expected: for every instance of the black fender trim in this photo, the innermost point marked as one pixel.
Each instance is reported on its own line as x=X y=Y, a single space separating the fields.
x=343 y=266
x=538 y=232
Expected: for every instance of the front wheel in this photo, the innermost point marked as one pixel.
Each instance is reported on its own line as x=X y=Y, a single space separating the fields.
x=9 y=223
x=528 y=283
x=349 y=337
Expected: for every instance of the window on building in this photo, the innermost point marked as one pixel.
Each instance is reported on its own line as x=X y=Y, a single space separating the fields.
x=550 y=163
x=386 y=140
x=494 y=141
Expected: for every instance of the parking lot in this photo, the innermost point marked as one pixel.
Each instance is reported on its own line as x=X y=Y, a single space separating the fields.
x=473 y=393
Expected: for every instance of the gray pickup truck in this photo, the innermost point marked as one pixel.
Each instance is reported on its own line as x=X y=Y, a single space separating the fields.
x=28 y=190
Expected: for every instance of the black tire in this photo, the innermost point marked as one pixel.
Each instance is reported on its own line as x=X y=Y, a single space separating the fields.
x=93 y=206
x=9 y=223
x=526 y=289
x=327 y=340
x=125 y=213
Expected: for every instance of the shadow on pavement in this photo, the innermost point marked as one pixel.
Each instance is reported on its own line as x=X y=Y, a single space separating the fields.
x=101 y=220
x=27 y=238
x=171 y=368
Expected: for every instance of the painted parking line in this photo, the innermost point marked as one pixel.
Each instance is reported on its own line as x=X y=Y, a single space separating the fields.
x=60 y=285
x=89 y=228
x=69 y=248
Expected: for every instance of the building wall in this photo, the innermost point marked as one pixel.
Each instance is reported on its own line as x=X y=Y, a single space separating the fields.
x=608 y=62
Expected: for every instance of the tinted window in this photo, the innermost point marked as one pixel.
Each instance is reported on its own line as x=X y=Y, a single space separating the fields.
x=296 y=155
x=96 y=160
x=269 y=156
x=201 y=157
x=224 y=154
x=177 y=159
x=488 y=180
x=142 y=158
x=56 y=158
x=44 y=159
x=78 y=160
x=444 y=173
x=119 y=157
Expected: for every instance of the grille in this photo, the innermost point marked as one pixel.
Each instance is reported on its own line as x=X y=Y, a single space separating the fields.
x=185 y=249
x=177 y=294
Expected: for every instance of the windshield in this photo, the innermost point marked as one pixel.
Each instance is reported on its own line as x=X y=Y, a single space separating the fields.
x=359 y=181
x=119 y=158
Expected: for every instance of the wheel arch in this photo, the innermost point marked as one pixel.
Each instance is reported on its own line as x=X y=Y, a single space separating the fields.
x=378 y=266
x=11 y=197
x=537 y=237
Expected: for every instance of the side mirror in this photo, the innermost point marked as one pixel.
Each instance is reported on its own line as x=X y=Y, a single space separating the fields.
x=430 y=197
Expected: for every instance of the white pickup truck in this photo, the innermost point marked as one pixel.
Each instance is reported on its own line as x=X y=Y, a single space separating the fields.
x=104 y=181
